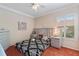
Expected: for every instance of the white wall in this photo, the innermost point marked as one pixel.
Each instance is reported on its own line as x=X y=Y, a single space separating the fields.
x=9 y=20
x=50 y=21
x=47 y=21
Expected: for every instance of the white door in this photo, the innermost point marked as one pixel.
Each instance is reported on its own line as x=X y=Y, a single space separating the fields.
x=4 y=39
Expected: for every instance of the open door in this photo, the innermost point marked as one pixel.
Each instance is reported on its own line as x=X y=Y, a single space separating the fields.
x=2 y=52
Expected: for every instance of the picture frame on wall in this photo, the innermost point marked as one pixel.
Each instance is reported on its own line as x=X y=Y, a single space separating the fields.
x=22 y=25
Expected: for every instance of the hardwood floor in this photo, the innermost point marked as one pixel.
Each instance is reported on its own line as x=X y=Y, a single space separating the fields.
x=60 y=52
x=12 y=51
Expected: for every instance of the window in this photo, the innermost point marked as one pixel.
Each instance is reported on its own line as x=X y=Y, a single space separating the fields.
x=64 y=18
x=61 y=29
x=67 y=29
x=70 y=31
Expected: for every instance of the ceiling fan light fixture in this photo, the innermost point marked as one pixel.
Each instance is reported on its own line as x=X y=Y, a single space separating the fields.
x=35 y=6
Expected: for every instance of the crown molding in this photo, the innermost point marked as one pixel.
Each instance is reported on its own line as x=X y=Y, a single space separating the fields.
x=15 y=11
x=50 y=12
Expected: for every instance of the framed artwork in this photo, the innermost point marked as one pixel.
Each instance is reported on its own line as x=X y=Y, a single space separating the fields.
x=22 y=25
x=70 y=31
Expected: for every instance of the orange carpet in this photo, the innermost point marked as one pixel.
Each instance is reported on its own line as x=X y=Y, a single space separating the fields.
x=12 y=51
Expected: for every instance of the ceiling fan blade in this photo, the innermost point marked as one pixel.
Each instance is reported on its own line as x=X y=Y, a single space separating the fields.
x=29 y=5
x=42 y=6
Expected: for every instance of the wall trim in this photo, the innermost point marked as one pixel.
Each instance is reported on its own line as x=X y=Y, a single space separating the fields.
x=50 y=12
x=15 y=11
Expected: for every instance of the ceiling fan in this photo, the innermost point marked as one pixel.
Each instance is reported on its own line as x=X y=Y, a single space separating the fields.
x=35 y=6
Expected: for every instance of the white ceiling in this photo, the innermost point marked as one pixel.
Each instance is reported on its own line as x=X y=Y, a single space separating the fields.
x=25 y=8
